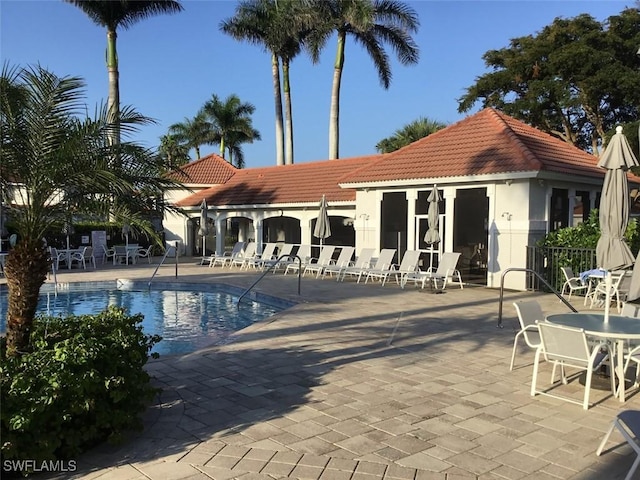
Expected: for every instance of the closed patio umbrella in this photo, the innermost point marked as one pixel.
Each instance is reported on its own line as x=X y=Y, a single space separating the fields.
x=323 y=226
x=204 y=226
x=433 y=233
x=611 y=251
x=67 y=229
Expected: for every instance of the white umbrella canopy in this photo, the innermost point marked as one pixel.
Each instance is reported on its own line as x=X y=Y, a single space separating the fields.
x=204 y=225
x=323 y=226
x=611 y=251
x=433 y=234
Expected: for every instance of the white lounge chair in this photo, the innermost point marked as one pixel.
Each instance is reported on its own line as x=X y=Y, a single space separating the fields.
x=267 y=254
x=408 y=265
x=225 y=258
x=382 y=263
x=281 y=258
x=363 y=261
x=343 y=261
x=529 y=313
x=447 y=269
x=324 y=260
x=303 y=253
x=247 y=256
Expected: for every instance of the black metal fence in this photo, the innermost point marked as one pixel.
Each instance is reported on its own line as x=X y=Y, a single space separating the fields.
x=547 y=261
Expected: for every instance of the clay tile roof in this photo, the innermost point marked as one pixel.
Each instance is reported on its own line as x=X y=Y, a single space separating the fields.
x=209 y=170
x=489 y=142
x=297 y=183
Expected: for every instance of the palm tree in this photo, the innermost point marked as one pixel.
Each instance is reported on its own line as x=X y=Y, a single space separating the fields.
x=282 y=28
x=113 y=14
x=370 y=23
x=230 y=122
x=234 y=142
x=420 y=128
x=52 y=154
x=172 y=152
x=192 y=133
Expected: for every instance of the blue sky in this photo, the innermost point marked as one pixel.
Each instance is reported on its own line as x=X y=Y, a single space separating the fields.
x=170 y=66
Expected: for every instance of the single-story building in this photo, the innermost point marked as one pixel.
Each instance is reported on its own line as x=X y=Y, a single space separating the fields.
x=503 y=184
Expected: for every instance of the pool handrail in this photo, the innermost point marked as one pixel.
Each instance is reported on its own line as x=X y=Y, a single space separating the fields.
x=164 y=257
x=272 y=265
x=536 y=274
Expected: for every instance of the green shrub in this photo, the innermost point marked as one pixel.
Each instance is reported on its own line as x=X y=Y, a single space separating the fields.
x=81 y=383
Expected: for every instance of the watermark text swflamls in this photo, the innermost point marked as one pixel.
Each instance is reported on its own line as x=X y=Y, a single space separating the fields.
x=39 y=466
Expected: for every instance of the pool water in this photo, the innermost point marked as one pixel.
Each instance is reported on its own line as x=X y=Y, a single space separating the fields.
x=187 y=319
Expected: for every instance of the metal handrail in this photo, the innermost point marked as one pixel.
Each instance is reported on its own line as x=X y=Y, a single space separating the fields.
x=273 y=265
x=164 y=257
x=527 y=270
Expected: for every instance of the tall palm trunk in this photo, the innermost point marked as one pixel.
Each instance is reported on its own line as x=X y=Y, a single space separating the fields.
x=275 y=72
x=222 y=146
x=113 y=102
x=334 y=114
x=288 y=115
x=26 y=270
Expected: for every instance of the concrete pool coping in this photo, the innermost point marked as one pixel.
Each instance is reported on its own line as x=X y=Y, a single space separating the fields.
x=359 y=382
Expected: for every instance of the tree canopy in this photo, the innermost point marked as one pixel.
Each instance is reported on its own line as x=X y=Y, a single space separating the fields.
x=420 y=128
x=576 y=79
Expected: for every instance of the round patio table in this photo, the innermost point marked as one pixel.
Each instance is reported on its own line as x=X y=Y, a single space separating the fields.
x=618 y=329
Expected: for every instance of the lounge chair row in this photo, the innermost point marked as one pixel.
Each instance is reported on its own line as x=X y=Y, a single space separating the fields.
x=244 y=256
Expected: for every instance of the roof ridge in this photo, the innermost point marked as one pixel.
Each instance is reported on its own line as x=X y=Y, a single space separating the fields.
x=499 y=118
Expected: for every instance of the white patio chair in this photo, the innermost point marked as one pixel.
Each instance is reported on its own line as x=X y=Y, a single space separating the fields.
x=145 y=253
x=226 y=258
x=382 y=263
x=447 y=269
x=343 y=261
x=123 y=254
x=107 y=253
x=363 y=261
x=628 y=424
x=529 y=312
x=89 y=257
x=318 y=265
x=78 y=257
x=572 y=283
x=292 y=264
x=600 y=292
x=568 y=347
x=246 y=257
x=281 y=258
x=409 y=264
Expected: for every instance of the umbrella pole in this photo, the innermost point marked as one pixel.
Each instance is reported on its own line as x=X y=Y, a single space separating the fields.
x=607 y=297
x=204 y=245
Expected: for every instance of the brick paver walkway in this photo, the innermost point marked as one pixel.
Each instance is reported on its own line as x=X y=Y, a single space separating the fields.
x=360 y=382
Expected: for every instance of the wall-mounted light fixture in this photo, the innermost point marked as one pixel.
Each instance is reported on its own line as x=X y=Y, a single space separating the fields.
x=507 y=215
x=508 y=181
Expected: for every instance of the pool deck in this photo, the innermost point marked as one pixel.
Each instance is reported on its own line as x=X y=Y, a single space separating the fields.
x=359 y=382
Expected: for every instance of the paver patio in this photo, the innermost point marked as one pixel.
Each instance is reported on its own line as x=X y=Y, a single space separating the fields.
x=359 y=382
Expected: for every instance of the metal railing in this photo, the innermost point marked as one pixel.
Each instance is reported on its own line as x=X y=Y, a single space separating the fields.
x=542 y=280
x=547 y=261
x=164 y=257
x=273 y=264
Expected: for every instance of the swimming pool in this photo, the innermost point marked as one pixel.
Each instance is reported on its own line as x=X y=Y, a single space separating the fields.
x=187 y=316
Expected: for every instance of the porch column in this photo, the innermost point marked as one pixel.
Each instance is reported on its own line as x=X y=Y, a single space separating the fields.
x=572 y=205
x=305 y=230
x=221 y=232
x=411 y=196
x=257 y=224
x=449 y=195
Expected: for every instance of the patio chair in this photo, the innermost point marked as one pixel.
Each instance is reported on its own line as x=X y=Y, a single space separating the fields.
x=572 y=283
x=292 y=263
x=614 y=292
x=529 y=312
x=382 y=263
x=246 y=257
x=627 y=423
x=343 y=261
x=409 y=264
x=122 y=254
x=568 y=347
x=107 y=253
x=78 y=257
x=267 y=254
x=447 y=269
x=363 y=261
x=281 y=258
x=318 y=265
x=225 y=258
x=145 y=253
x=89 y=257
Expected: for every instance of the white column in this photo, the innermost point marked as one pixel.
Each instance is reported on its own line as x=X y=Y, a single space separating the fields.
x=411 y=196
x=221 y=231
x=257 y=226
x=449 y=196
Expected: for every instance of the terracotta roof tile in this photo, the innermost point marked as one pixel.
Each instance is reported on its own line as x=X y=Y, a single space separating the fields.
x=297 y=183
x=488 y=142
x=209 y=170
